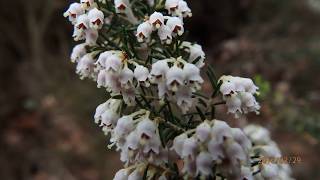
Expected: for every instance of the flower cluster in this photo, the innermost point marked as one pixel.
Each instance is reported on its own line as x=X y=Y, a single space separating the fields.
x=138 y=139
x=167 y=27
x=115 y=75
x=178 y=8
x=239 y=95
x=107 y=114
x=136 y=136
x=214 y=143
x=177 y=82
x=87 y=20
x=267 y=148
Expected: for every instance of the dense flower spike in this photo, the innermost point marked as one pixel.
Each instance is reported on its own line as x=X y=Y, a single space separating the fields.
x=268 y=149
x=212 y=143
x=78 y=52
x=156 y=117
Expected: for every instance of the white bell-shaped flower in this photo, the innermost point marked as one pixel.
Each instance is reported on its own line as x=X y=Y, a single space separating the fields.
x=83 y=22
x=165 y=34
x=126 y=77
x=112 y=82
x=204 y=164
x=216 y=150
x=241 y=138
x=126 y=155
x=249 y=103
x=192 y=76
x=144 y=31
x=124 y=126
x=184 y=98
x=270 y=171
x=141 y=73
x=136 y=175
x=146 y=129
x=121 y=5
x=190 y=147
x=87 y=4
x=171 y=5
x=91 y=36
x=247 y=99
x=111 y=104
x=220 y=131
x=176 y=25
x=78 y=34
x=73 y=12
x=203 y=131
x=230 y=85
x=152 y=145
x=109 y=118
x=257 y=134
x=85 y=66
x=227 y=87
x=178 y=143
x=78 y=52
x=96 y=18
x=102 y=78
x=156 y=19
x=102 y=59
x=184 y=9
x=249 y=86
x=99 y=111
x=271 y=150
x=158 y=71
x=233 y=102
x=196 y=53
x=122 y=174
x=133 y=141
x=113 y=63
x=175 y=78
x=235 y=152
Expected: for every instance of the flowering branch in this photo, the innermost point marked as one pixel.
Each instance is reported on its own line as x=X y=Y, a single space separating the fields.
x=137 y=51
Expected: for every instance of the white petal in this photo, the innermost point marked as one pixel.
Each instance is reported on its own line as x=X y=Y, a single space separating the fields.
x=204 y=164
x=122 y=174
x=178 y=143
x=203 y=131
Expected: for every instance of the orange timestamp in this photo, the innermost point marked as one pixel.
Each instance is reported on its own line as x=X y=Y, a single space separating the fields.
x=280 y=160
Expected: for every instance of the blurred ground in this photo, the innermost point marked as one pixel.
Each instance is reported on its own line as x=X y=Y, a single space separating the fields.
x=46 y=125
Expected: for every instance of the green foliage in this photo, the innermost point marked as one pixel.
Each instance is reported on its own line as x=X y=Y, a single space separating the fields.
x=264 y=86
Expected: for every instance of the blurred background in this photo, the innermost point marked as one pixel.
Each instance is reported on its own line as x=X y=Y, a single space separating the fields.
x=46 y=111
